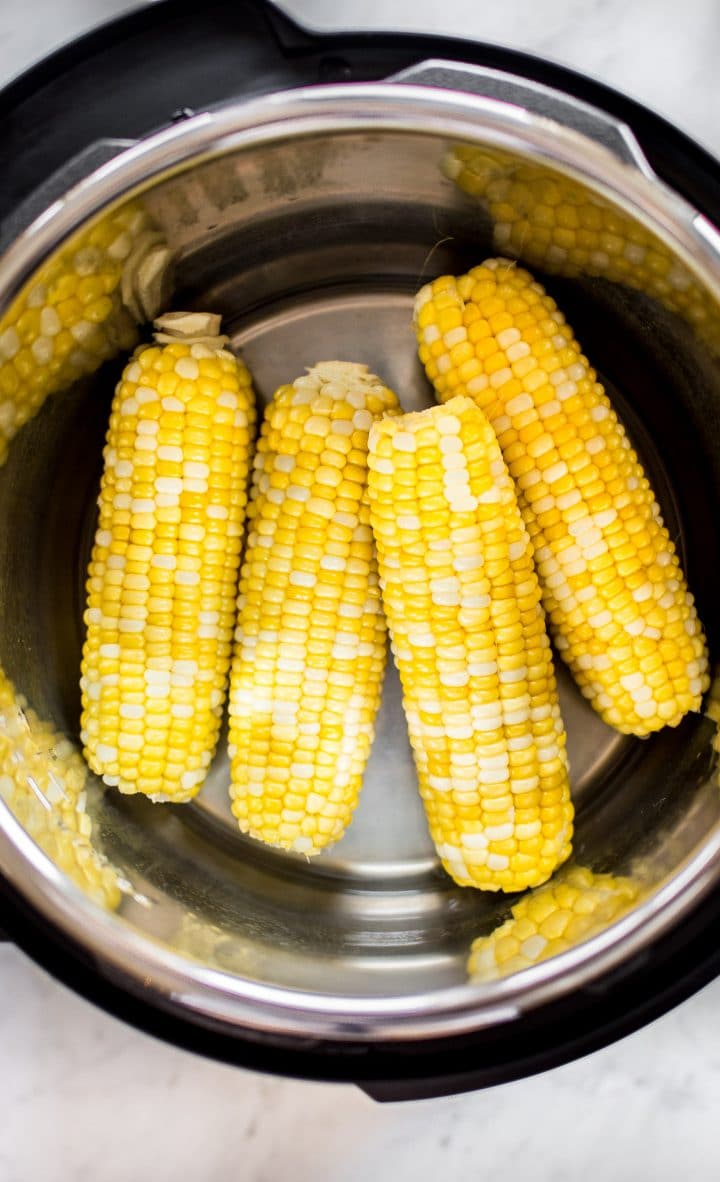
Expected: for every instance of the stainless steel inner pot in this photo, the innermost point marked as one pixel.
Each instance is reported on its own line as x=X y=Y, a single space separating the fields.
x=309 y=219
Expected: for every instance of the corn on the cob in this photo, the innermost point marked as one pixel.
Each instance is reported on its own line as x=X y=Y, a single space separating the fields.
x=557 y=224
x=163 y=576
x=575 y=906
x=43 y=782
x=81 y=308
x=468 y=636
x=616 y=598
x=311 y=641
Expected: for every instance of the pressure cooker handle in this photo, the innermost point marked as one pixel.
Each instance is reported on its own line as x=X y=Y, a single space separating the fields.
x=57 y=184
x=603 y=129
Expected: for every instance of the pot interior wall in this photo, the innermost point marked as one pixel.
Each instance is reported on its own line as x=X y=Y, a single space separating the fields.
x=313 y=250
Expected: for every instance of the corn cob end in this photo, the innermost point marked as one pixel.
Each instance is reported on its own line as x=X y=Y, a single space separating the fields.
x=162 y=577
x=468 y=636
x=310 y=643
x=616 y=598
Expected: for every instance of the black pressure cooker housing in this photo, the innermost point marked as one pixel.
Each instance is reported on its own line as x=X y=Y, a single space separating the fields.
x=124 y=81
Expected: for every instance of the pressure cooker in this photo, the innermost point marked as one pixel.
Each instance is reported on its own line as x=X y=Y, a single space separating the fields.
x=304 y=185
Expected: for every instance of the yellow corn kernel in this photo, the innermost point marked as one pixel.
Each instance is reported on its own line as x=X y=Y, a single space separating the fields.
x=162 y=579
x=476 y=669
x=310 y=651
x=616 y=599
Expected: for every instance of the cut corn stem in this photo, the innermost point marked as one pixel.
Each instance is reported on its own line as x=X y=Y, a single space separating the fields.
x=162 y=581
x=617 y=602
x=571 y=909
x=468 y=636
x=311 y=640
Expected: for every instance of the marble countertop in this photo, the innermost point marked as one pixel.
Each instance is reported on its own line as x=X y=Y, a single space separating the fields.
x=84 y=1097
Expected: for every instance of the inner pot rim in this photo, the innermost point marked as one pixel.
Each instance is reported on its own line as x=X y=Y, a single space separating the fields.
x=289 y=115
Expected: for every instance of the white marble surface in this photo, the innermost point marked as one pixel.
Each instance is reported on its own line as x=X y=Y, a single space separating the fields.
x=83 y=1097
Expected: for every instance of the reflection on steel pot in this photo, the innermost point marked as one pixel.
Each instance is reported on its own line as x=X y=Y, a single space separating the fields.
x=79 y=309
